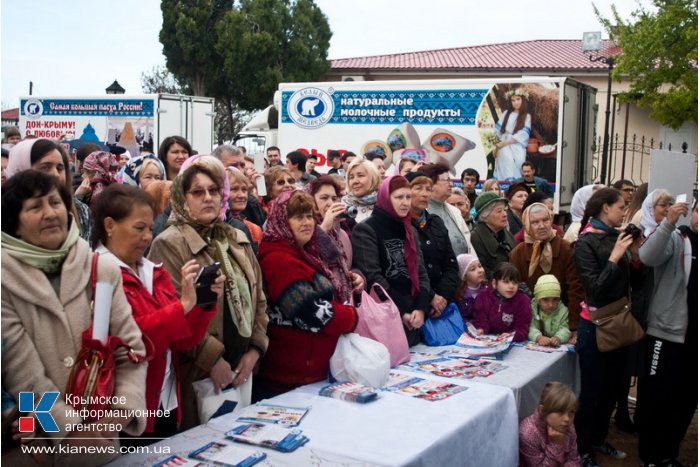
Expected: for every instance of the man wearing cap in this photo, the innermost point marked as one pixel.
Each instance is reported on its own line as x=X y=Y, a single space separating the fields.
x=450 y=215
x=335 y=163
x=491 y=239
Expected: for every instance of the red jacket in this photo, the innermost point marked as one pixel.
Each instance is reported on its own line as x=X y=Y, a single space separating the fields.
x=162 y=319
x=296 y=356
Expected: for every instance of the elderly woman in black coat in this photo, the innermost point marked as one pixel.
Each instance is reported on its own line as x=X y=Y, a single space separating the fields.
x=438 y=256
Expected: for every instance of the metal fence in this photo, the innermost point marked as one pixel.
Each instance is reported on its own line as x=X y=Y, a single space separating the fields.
x=629 y=157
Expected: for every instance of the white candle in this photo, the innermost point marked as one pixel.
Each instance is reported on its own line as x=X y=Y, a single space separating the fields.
x=103 y=308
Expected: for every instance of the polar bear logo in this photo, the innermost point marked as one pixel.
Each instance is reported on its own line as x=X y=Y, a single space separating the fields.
x=33 y=108
x=308 y=106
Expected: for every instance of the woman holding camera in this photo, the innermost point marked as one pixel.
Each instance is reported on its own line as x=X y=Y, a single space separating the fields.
x=236 y=337
x=604 y=259
x=123 y=217
x=669 y=372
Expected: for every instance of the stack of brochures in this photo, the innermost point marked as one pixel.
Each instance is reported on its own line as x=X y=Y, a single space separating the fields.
x=217 y=454
x=268 y=425
x=269 y=436
x=275 y=414
x=348 y=391
x=473 y=344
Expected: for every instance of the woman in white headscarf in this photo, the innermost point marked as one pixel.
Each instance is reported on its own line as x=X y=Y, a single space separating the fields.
x=578 y=205
x=670 y=345
x=655 y=209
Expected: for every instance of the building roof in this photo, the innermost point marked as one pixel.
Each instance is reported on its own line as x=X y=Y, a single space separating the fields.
x=535 y=55
x=11 y=114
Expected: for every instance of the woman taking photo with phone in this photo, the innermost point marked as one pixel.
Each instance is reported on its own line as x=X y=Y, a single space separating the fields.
x=236 y=337
x=670 y=348
x=123 y=217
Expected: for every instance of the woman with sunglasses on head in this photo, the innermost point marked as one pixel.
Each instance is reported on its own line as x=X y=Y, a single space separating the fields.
x=236 y=337
x=278 y=179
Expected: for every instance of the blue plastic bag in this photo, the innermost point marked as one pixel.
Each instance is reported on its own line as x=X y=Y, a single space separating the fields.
x=445 y=329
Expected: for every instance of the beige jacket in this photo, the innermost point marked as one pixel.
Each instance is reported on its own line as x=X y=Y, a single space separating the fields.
x=42 y=333
x=174 y=247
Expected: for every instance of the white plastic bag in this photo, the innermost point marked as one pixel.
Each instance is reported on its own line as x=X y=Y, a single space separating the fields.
x=208 y=402
x=360 y=360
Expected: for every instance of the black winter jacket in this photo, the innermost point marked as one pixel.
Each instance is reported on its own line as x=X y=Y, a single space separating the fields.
x=377 y=250
x=438 y=256
x=603 y=280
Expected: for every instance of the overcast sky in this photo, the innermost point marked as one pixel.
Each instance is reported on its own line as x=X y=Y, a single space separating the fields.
x=78 y=47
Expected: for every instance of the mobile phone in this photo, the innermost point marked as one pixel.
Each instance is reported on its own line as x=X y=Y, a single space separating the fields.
x=682 y=198
x=203 y=282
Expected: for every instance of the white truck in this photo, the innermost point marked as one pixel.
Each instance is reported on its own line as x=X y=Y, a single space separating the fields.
x=128 y=120
x=457 y=122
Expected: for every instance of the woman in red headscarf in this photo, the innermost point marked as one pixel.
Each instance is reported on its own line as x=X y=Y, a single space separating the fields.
x=309 y=306
x=385 y=248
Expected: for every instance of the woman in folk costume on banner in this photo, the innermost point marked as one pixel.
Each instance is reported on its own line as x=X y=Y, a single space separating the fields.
x=514 y=128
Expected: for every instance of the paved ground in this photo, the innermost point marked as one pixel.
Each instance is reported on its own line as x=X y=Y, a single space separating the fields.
x=629 y=444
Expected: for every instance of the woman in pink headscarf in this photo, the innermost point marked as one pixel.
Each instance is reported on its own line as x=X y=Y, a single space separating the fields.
x=100 y=168
x=386 y=250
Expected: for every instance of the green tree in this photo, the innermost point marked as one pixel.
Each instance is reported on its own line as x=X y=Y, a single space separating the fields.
x=239 y=53
x=188 y=42
x=659 y=56
x=160 y=81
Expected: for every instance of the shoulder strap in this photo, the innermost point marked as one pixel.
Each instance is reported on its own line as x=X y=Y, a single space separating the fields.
x=93 y=274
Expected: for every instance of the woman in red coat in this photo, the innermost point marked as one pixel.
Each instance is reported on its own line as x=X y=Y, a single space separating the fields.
x=123 y=230
x=310 y=307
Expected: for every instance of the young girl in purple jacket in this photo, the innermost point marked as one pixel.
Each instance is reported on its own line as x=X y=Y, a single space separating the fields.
x=502 y=307
x=473 y=281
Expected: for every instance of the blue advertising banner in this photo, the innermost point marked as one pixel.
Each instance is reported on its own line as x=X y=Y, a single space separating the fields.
x=315 y=107
x=36 y=108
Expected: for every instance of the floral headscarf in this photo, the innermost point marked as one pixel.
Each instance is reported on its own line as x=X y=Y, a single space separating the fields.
x=180 y=212
x=278 y=230
x=410 y=253
x=219 y=236
x=541 y=250
x=105 y=166
x=130 y=174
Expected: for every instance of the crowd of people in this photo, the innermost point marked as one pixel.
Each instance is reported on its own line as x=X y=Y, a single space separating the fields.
x=294 y=259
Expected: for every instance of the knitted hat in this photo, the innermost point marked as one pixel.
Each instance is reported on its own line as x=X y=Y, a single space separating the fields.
x=463 y=263
x=516 y=187
x=485 y=199
x=410 y=176
x=547 y=286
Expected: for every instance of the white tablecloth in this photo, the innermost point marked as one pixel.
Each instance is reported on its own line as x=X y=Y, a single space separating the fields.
x=527 y=373
x=476 y=427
